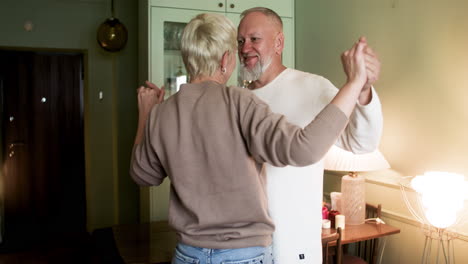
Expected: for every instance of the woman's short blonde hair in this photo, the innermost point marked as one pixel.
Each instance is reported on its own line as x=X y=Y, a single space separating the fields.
x=204 y=41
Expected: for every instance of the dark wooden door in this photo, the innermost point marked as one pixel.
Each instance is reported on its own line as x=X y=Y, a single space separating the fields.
x=43 y=145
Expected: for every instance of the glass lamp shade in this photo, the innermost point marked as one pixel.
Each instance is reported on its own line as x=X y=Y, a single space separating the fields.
x=442 y=196
x=112 y=35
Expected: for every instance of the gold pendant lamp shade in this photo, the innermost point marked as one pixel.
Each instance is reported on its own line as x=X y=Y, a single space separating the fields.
x=111 y=34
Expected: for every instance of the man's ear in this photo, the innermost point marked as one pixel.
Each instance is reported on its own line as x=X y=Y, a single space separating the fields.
x=279 y=43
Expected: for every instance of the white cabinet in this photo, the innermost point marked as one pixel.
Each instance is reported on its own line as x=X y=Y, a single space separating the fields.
x=160 y=27
x=283 y=8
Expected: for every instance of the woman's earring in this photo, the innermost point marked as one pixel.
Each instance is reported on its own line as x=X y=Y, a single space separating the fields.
x=223 y=70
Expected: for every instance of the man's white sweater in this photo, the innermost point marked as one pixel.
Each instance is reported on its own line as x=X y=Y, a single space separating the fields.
x=295 y=194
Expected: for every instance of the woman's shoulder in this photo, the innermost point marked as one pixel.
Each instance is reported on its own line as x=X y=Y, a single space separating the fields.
x=243 y=93
x=244 y=98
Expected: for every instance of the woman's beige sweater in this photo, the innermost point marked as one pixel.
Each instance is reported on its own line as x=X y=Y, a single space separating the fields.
x=212 y=141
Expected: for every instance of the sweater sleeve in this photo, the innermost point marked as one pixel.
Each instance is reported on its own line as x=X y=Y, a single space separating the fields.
x=270 y=138
x=145 y=166
x=363 y=133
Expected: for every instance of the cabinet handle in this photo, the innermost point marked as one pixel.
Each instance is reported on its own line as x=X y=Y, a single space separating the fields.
x=220 y=4
x=232 y=6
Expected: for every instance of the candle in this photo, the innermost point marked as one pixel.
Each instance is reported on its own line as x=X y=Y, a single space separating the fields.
x=340 y=221
x=335 y=201
x=326 y=223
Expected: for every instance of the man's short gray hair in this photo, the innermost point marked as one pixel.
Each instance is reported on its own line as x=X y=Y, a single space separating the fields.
x=267 y=12
x=204 y=41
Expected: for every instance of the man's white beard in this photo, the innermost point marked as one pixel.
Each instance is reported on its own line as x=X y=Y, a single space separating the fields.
x=256 y=72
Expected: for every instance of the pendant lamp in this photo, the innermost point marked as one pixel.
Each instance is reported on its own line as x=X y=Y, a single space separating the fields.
x=112 y=35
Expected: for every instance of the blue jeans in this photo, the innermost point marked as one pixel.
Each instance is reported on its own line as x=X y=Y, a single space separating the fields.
x=185 y=254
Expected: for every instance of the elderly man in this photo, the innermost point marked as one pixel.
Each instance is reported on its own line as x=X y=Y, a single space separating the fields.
x=295 y=201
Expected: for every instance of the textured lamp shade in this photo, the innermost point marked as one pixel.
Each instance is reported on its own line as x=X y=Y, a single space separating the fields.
x=353 y=196
x=112 y=35
x=338 y=159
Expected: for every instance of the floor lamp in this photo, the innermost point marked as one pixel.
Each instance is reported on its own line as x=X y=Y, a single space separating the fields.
x=437 y=204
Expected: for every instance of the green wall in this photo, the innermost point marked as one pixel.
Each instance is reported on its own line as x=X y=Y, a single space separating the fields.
x=423 y=47
x=110 y=123
x=423 y=84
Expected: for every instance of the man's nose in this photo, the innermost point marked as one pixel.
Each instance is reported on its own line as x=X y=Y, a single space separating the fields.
x=246 y=47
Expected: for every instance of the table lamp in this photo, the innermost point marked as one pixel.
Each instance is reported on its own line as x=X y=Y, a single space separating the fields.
x=436 y=200
x=353 y=196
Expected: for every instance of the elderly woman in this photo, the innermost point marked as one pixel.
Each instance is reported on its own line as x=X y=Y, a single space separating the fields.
x=211 y=141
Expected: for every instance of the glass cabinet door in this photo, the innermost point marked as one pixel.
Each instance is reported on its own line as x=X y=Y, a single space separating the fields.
x=166 y=65
x=174 y=73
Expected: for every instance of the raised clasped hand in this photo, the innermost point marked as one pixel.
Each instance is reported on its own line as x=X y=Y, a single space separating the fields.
x=372 y=64
x=148 y=96
x=354 y=63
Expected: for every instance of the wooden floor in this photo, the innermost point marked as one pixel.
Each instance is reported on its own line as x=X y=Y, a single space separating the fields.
x=82 y=249
x=47 y=255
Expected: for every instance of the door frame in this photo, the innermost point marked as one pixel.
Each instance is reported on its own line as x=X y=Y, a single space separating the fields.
x=85 y=69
